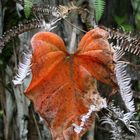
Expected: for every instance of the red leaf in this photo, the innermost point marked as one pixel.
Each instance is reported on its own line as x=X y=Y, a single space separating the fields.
x=63 y=86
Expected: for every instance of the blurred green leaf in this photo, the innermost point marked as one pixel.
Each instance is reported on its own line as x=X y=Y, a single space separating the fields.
x=122 y=22
x=99 y=6
x=127 y=27
x=27 y=7
x=137 y=20
x=119 y=20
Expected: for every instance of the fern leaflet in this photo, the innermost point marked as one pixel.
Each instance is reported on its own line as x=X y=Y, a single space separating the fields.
x=99 y=9
x=28 y=4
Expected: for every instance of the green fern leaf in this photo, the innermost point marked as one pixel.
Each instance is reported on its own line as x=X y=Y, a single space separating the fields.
x=27 y=7
x=99 y=9
x=99 y=6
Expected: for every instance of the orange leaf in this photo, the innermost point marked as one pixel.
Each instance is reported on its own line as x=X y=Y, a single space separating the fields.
x=63 y=86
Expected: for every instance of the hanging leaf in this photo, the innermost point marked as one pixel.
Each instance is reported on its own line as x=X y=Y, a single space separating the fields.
x=27 y=7
x=63 y=87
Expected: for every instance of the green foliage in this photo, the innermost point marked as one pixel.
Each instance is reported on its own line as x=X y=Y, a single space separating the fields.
x=122 y=22
x=99 y=6
x=27 y=7
x=137 y=20
x=136 y=9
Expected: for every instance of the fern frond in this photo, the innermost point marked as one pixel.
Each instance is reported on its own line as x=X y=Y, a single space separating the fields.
x=46 y=10
x=126 y=42
x=126 y=119
x=124 y=82
x=115 y=130
x=59 y=12
x=21 y=28
x=27 y=7
x=40 y=9
x=118 y=53
x=49 y=26
x=123 y=79
x=23 y=69
x=25 y=27
x=117 y=119
x=99 y=8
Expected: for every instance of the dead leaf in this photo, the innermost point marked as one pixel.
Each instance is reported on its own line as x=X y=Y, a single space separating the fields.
x=63 y=85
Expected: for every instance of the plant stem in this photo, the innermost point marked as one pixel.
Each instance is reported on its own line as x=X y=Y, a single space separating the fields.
x=72 y=42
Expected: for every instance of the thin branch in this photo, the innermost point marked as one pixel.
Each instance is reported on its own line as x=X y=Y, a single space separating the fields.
x=37 y=128
x=72 y=42
x=75 y=26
